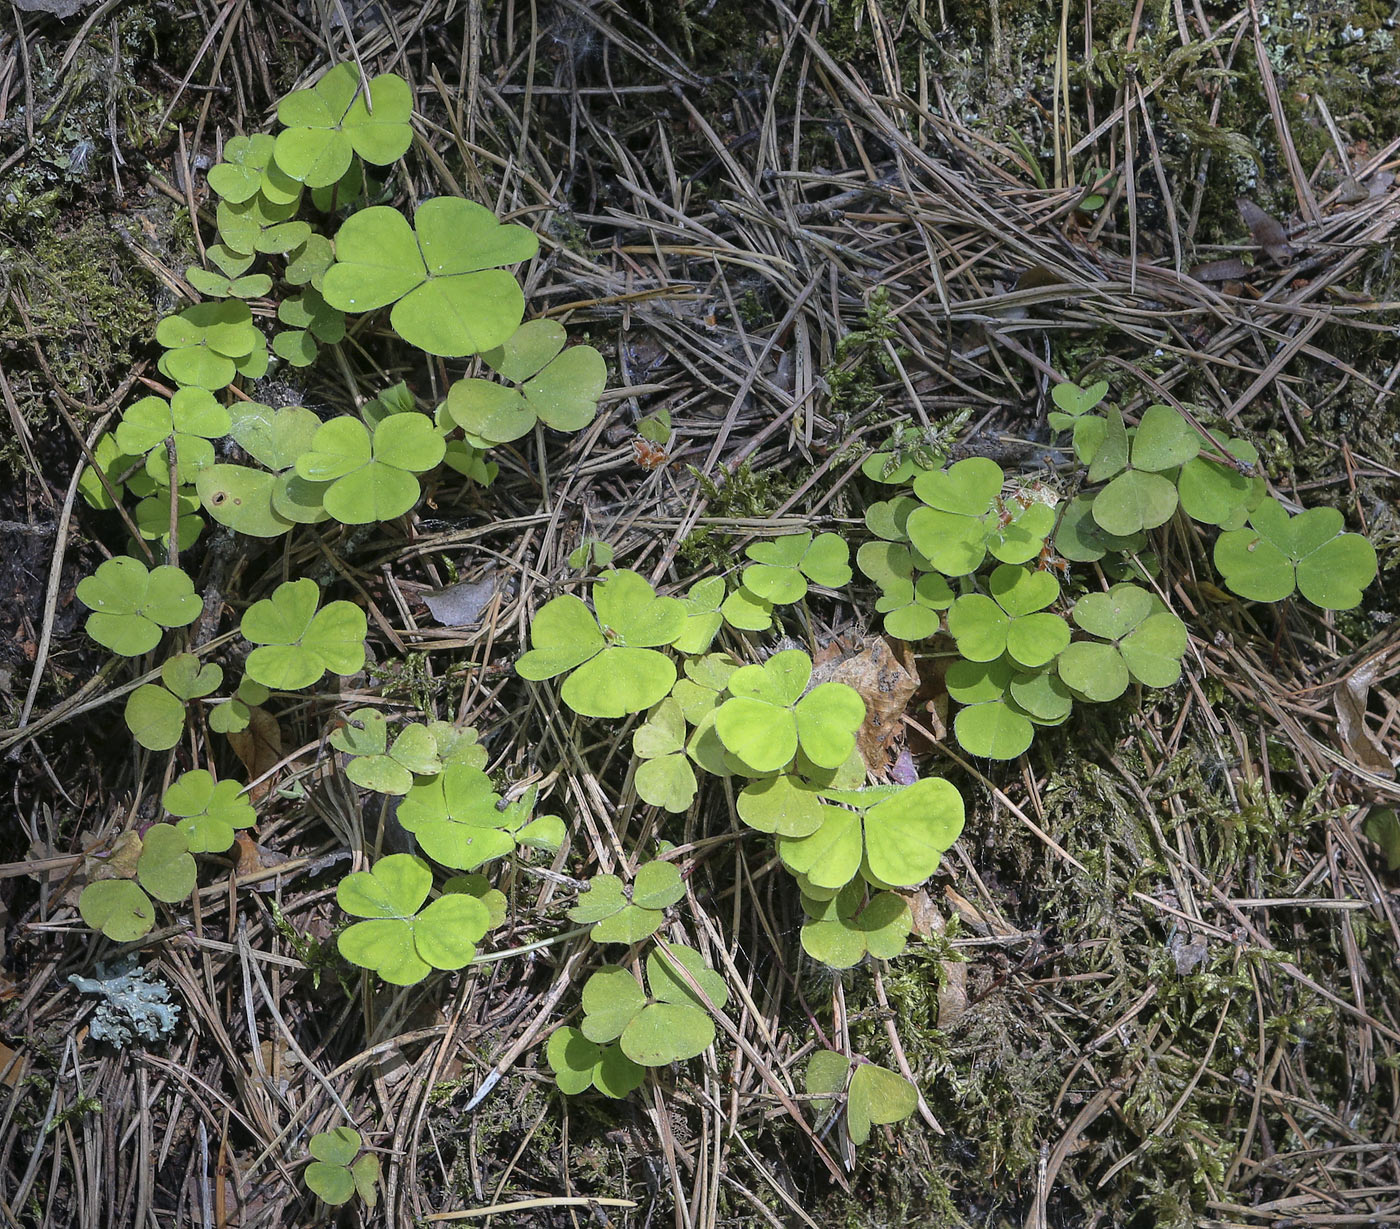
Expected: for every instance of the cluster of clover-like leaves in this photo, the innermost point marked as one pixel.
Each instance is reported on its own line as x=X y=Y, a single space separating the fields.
x=208 y=811
x=298 y=640
x=208 y=344
x=1134 y=637
x=664 y=1022
x=770 y=713
x=1130 y=636
x=378 y=764
x=962 y=541
x=1010 y=619
x=854 y=922
x=1025 y=653
x=623 y=914
x=1277 y=553
x=552 y=385
x=205 y=813
x=780 y=574
x=339 y=1169
x=371 y=473
x=192 y=419
x=311 y=322
x=234 y=713
x=1147 y=472
x=155 y=712
x=132 y=605
x=443 y=275
x=337 y=118
x=460 y=821
x=889 y=835
x=961 y=518
x=610 y=653
x=403 y=939
x=664 y=775
x=120 y=907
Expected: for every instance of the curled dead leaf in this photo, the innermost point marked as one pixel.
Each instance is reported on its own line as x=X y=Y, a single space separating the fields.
x=1349 y=698
x=254 y=859
x=925 y=917
x=928 y=922
x=259 y=746
x=11 y=1066
x=116 y=862
x=1267 y=231
x=973 y=917
x=1230 y=270
x=885 y=683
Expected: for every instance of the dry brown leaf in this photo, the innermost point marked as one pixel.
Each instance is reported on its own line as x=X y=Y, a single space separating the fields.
x=952 y=994
x=253 y=858
x=393 y=1066
x=259 y=747
x=121 y=862
x=1267 y=231
x=1349 y=698
x=885 y=685
x=11 y=1064
x=248 y=860
x=926 y=920
x=1231 y=270
x=118 y=862
x=1351 y=191
x=973 y=917
x=1188 y=953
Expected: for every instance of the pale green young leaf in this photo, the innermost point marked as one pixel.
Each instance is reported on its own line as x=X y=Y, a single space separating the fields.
x=118 y=908
x=185 y=677
x=442 y=275
x=132 y=605
x=155 y=718
x=329 y=123
x=165 y=868
x=242 y=499
x=298 y=643
x=207 y=811
x=611 y=998
x=877 y=1097
x=747 y=612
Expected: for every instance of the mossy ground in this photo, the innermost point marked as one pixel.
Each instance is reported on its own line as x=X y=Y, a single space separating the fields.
x=76 y=212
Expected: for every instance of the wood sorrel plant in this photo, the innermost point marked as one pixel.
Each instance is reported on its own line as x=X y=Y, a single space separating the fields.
x=289 y=224
x=958 y=549
x=999 y=555
x=304 y=251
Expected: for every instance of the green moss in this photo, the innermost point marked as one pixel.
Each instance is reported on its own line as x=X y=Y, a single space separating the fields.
x=63 y=246
x=996 y=64
x=861 y=364
x=410 y=678
x=496 y=1129
x=90 y=305
x=744 y=495
x=849 y=36
x=752 y=310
